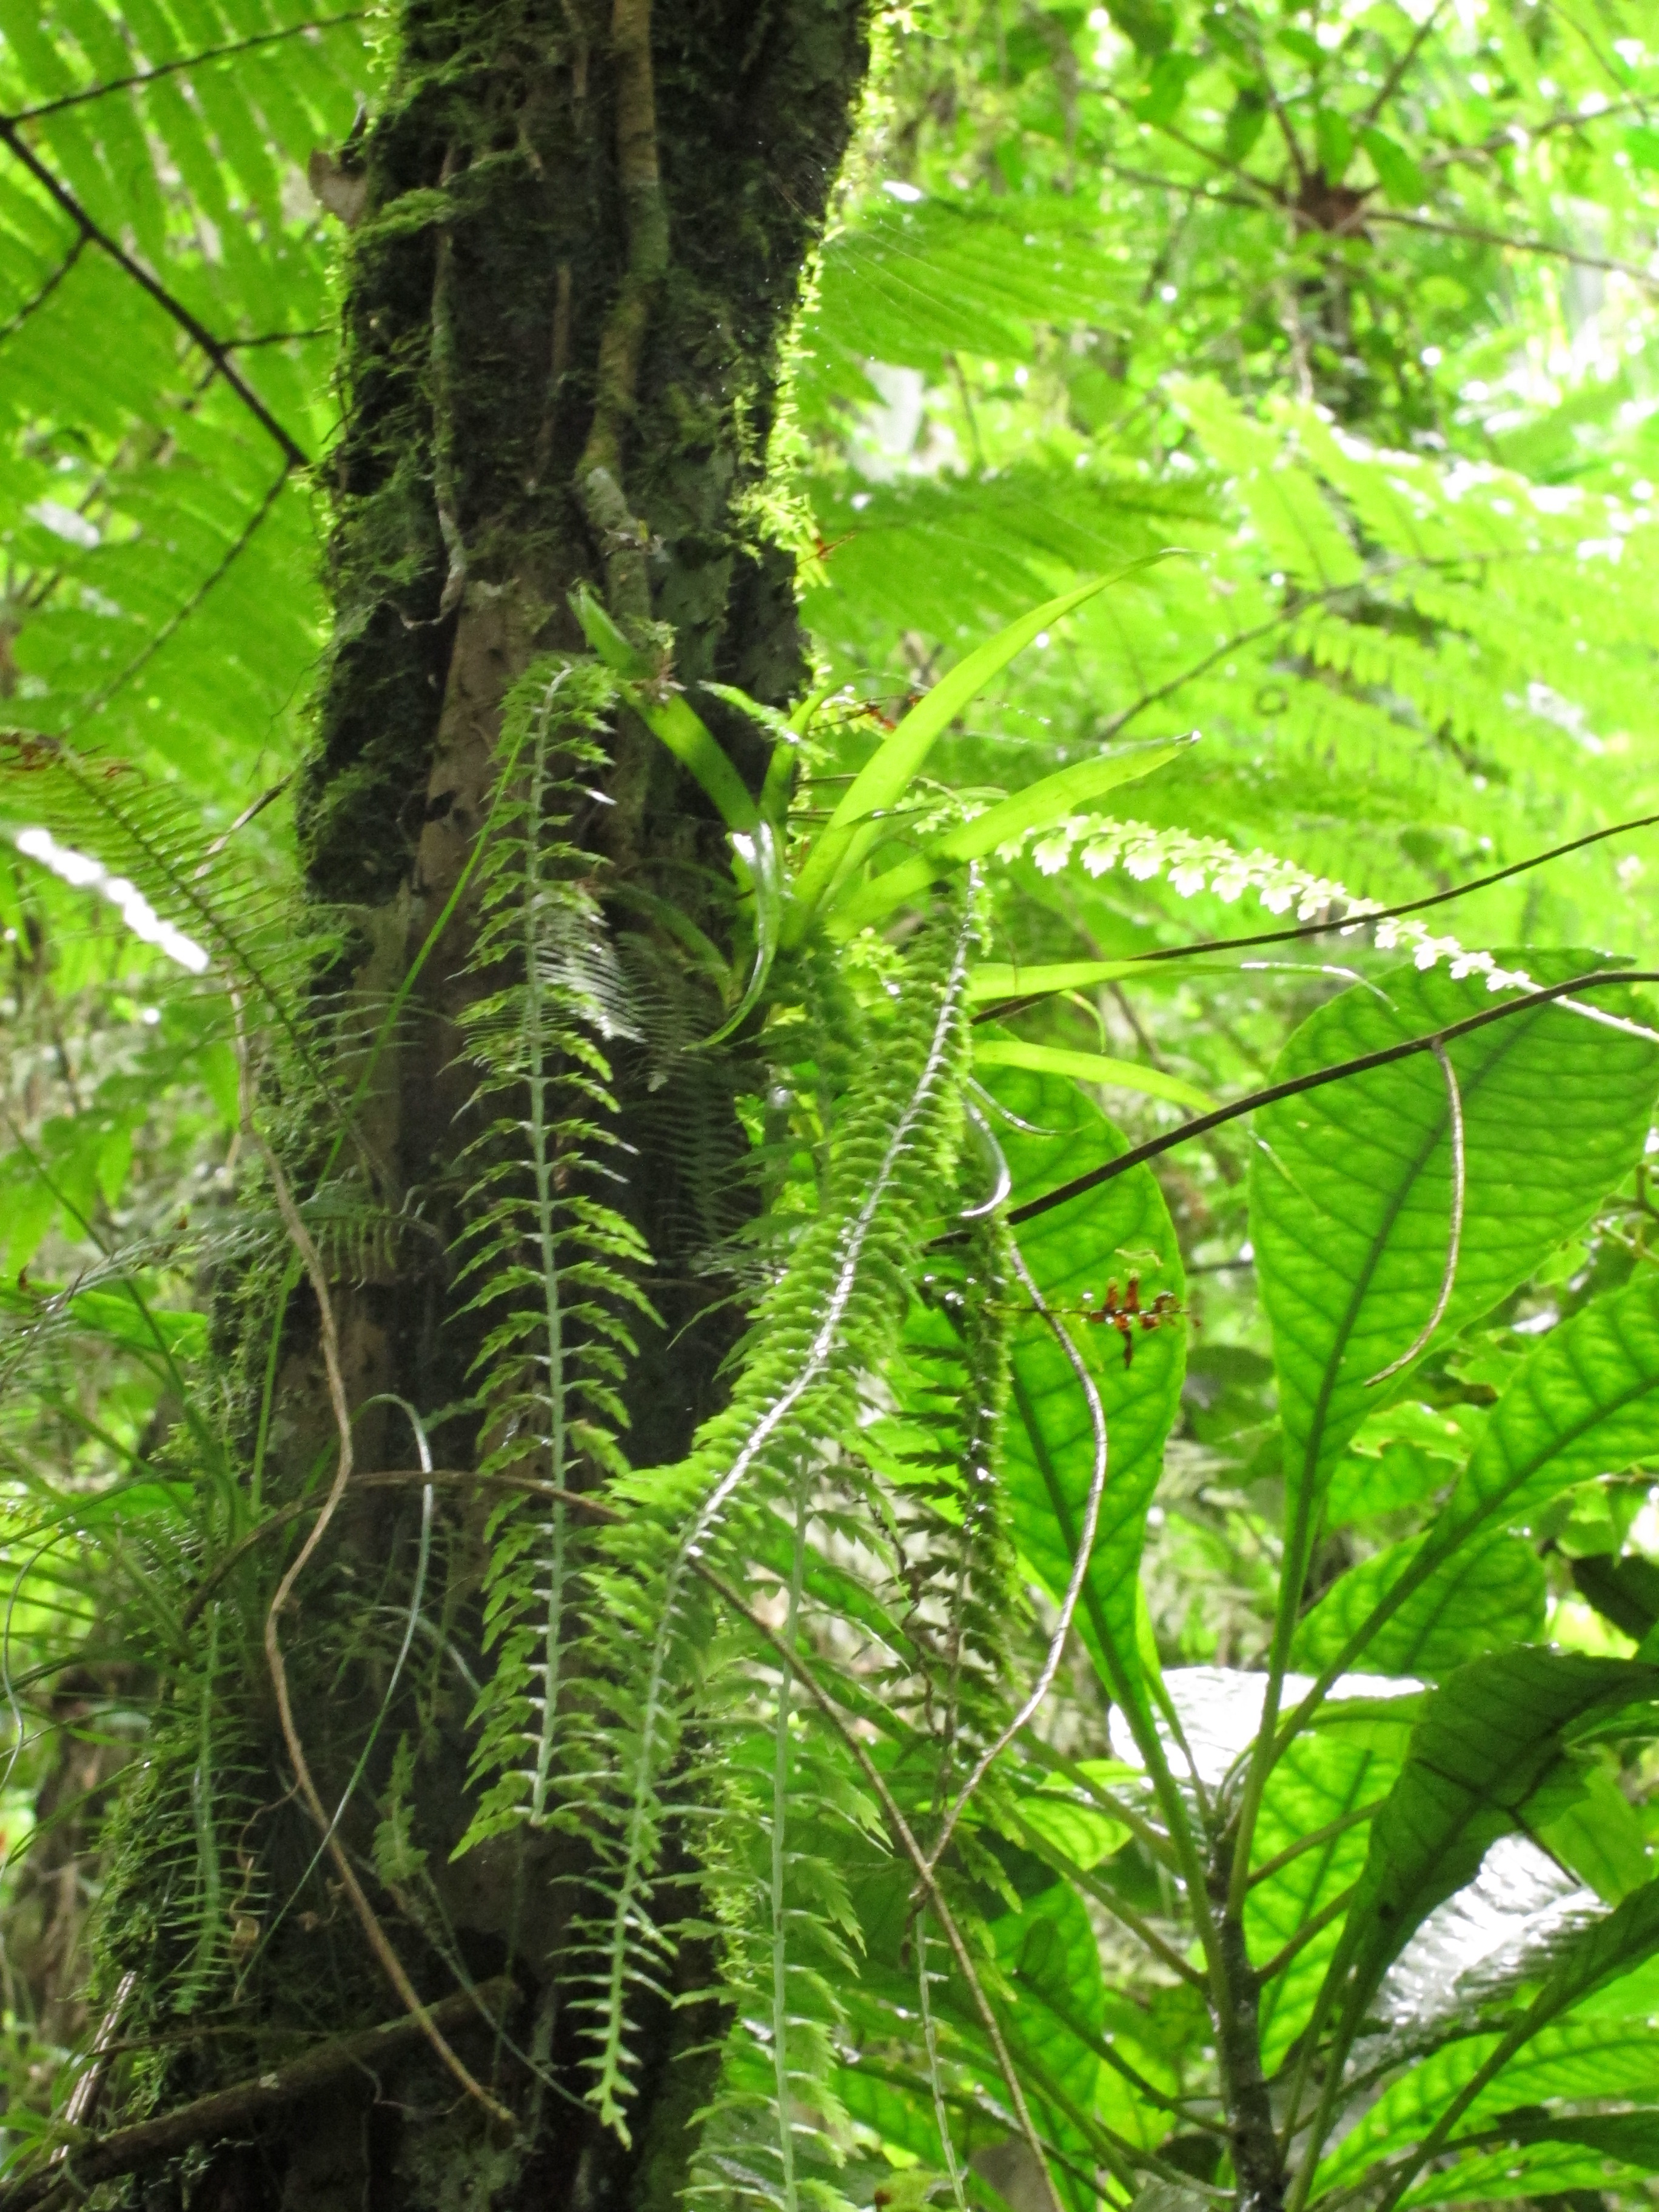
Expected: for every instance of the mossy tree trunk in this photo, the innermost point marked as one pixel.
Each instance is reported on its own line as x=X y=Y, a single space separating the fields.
x=577 y=240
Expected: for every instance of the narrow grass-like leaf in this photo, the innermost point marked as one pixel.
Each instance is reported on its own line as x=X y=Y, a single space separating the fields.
x=668 y=717
x=883 y=781
x=1040 y=803
x=1091 y=1067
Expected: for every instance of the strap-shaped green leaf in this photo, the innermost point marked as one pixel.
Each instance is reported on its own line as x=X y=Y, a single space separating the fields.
x=758 y=852
x=1000 y=979
x=1352 y=1191
x=1481 y=1598
x=1050 y=799
x=883 y=780
x=1048 y=1459
x=1090 y=1067
x=669 y=719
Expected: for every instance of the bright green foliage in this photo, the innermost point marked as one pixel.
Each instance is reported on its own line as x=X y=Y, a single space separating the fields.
x=1485 y=1742
x=1078 y=1251
x=1365 y=1629
x=1351 y=1196
x=1334 y=1776
x=1482 y=1598
x=545 y=1255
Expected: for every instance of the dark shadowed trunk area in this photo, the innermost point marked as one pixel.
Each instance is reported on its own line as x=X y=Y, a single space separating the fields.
x=577 y=238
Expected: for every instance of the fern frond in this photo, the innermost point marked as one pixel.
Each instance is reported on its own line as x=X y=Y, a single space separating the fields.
x=549 y=1266
x=828 y=1320
x=139 y=841
x=932 y=1452
x=1192 y=865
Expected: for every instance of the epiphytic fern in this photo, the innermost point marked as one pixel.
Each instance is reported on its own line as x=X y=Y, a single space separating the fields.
x=932 y=1455
x=548 y=1261
x=827 y=1320
x=901 y=1534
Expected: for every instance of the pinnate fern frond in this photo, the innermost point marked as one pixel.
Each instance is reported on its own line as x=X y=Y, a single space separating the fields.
x=933 y=1457
x=1192 y=865
x=826 y=1322
x=935 y=1598
x=548 y=1265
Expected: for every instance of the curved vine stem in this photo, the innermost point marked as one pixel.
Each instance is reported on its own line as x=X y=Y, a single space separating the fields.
x=1085 y=1545
x=300 y=1236
x=1454 y=1241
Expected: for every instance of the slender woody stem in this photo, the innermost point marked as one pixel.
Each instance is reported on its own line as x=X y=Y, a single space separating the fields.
x=300 y=1236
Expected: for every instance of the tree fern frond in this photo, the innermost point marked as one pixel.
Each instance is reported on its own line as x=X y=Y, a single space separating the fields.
x=140 y=840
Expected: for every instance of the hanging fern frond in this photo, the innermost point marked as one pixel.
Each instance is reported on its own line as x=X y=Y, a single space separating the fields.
x=775 y=1878
x=956 y=1590
x=823 y=1323
x=548 y=1265
x=935 y=1595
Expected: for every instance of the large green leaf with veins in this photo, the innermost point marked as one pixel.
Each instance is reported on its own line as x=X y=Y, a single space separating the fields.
x=1576 y=2060
x=1050 y=1955
x=1585 y=1403
x=1542 y=2169
x=1480 y=1599
x=1047 y=1458
x=1483 y=1743
x=1352 y=1189
x=1594 y=1955
x=1326 y=1776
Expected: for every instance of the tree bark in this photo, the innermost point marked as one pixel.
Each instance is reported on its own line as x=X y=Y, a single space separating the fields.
x=577 y=241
